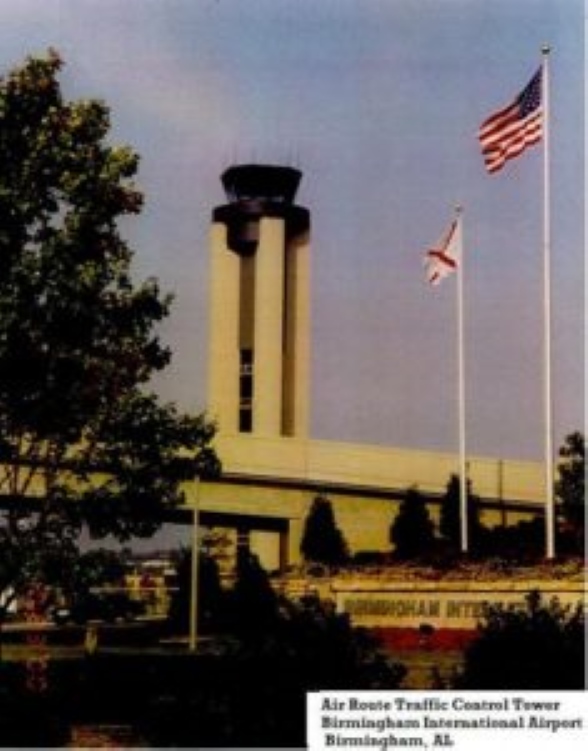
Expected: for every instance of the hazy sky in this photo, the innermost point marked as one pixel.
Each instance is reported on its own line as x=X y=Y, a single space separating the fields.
x=378 y=102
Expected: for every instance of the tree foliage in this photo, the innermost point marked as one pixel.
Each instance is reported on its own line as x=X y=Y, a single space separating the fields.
x=210 y=594
x=450 y=521
x=523 y=542
x=570 y=488
x=277 y=649
x=322 y=541
x=540 y=647
x=252 y=604
x=80 y=433
x=412 y=532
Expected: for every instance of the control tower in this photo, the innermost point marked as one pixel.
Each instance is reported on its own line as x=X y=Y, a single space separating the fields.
x=259 y=305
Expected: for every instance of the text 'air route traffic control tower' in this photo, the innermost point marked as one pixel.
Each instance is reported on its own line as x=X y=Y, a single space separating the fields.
x=259 y=306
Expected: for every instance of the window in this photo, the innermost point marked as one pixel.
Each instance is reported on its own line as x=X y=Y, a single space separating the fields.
x=246 y=391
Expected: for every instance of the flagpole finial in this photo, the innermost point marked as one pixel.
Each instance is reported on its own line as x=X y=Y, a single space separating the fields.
x=546 y=49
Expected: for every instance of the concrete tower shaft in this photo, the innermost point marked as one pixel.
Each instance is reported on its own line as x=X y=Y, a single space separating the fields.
x=259 y=317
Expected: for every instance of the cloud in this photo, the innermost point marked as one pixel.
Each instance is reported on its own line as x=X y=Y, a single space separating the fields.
x=128 y=55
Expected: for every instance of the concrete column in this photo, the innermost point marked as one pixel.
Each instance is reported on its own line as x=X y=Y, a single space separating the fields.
x=295 y=532
x=268 y=328
x=223 y=361
x=284 y=549
x=301 y=312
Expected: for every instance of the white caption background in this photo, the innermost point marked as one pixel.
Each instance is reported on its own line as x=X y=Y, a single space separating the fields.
x=438 y=720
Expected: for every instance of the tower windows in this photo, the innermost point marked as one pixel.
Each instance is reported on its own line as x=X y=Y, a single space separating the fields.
x=246 y=391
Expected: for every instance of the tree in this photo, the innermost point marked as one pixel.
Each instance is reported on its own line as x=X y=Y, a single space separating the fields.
x=93 y=569
x=540 y=647
x=570 y=487
x=322 y=541
x=82 y=440
x=523 y=542
x=275 y=650
x=210 y=594
x=252 y=602
x=412 y=532
x=450 y=522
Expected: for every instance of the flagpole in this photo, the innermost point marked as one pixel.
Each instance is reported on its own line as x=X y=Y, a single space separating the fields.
x=549 y=489
x=463 y=489
x=194 y=589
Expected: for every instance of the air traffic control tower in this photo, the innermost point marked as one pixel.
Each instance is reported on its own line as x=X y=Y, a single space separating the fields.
x=259 y=306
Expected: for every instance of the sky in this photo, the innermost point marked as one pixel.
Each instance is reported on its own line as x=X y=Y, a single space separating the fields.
x=378 y=103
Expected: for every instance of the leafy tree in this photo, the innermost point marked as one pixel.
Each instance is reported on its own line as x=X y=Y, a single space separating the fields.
x=450 y=522
x=538 y=648
x=211 y=598
x=252 y=603
x=570 y=487
x=412 y=531
x=523 y=542
x=93 y=568
x=82 y=440
x=277 y=650
x=322 y=541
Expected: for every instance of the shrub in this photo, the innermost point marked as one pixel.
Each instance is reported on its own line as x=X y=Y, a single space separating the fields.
x=210 y=594
x=253 y=694
x=252 y=604
x=540 y=647
x=523 y=542
x=412 y=532
x=450 y=521
x=322 y=540
x=253 y=691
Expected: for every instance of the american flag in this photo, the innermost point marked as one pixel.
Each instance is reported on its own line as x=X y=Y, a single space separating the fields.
x=507 y=133
x=443 y=259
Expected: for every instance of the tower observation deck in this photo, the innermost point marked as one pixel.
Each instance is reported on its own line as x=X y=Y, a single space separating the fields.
x=255 y=191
